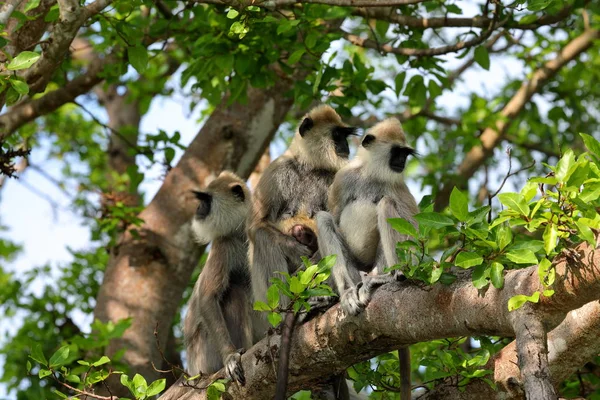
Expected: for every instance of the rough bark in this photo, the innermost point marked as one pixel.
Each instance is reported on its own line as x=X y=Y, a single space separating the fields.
x=406 y=313
x=145 y=277
x=492 y=136
x=570 y=345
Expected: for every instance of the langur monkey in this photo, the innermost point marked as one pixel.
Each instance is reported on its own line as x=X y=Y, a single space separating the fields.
x=364 y=194
x=218 y=323
x=282 y=227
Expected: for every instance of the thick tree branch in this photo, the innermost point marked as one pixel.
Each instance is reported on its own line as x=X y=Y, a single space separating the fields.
x=405 y=313
x=493 y=135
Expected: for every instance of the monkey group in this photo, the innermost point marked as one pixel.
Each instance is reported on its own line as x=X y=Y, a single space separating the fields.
x=312 y=202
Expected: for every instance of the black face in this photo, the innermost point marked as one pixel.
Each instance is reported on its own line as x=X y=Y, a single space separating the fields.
x=398 y=156
x=340 y=134
x=203 y=209
x=238 y=192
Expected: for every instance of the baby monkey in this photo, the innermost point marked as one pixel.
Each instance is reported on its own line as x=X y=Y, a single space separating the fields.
x=218 y=323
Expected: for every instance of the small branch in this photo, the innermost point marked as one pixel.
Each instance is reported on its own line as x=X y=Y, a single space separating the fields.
x=7 y=9
x=493 y=135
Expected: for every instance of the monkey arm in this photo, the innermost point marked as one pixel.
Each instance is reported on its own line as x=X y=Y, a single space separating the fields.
x=211 y=287
x=344 y=273
x=388 y=208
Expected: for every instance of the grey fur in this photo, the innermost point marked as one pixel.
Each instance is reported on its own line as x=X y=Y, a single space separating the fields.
x=218 y=323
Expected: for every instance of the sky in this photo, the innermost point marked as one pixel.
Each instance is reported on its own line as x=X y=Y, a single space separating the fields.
x=46 y=231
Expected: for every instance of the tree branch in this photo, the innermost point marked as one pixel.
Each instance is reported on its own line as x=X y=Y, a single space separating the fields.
x=274 y=4
x=405 y=313
x=493 y=135
x=443 y=22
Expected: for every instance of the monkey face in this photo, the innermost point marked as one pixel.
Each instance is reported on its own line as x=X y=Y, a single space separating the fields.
x=323 y=138
x=223 y=208
x=384 y=149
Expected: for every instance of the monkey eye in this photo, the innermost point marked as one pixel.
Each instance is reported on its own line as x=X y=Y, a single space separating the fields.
x=238 y=192
x=368 y=140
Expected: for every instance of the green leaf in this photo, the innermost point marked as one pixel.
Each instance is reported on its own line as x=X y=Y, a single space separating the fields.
x=31 y=4
x=528 y=19
x=546 y=273
x=433 y=220
x=482 y=57
x=480 y=276
x=24 y=60
x=522 y=256
x=296 y=56
x=59 y=394
x=516 y=302
x=585 y=232
x=169 y=154
x=138 y=57
x=538 y=5
x=38 y=355
x=311 y=39
x=459 y=204
x=496 y=275
x=274 y=318
x=326 y=263
x=591 y=143
x=139 y=383
x=44 y=373
x=564 y=166
x=156 y=387
x=273 y=297
x=73 y=378
x=19 y=86
x=59 y=357
x=296 y=286
x=466 y=259
x=515 y=202
x=127 y=383
x=219 y=386
x=503 y=236
x=232 y=13
x=28 y=366
x=103 y=360
x=403 y=226
x=261 y=306
x=550 y=237
x=399 y=83
x=308 y=274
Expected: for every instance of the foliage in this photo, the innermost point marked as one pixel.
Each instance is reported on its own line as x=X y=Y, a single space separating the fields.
x=300 y=288
x=209 y=52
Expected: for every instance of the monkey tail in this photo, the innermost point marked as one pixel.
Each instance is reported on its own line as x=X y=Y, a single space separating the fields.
x=284 y=356
x=405 y=381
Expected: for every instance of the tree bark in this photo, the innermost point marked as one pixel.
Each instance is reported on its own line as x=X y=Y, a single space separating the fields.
x=406 y=313
x=146 y=276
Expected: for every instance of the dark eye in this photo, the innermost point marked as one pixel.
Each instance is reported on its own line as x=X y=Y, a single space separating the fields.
x=306 y=126
x=238 y=192
x=368 y=140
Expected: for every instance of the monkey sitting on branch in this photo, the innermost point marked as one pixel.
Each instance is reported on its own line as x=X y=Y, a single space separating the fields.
x=218 y=323
x=364 y=195
x=291 y=191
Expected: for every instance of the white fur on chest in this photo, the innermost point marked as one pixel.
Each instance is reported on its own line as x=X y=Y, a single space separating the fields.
x=358 y=225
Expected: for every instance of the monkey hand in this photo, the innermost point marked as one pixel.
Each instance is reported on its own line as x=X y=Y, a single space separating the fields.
x=294 y=250
x=233 y=367
x=303 y=234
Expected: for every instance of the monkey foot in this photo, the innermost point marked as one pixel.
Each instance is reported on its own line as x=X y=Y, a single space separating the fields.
x=357 y=298
x=317 y=304
x=233 y=367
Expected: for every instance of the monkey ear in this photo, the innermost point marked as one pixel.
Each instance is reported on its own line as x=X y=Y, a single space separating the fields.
x=306 y=126
x=201 y=195
x=238 y=192
x=368 y=140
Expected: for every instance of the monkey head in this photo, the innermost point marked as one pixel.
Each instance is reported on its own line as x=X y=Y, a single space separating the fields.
x=322 y=139
x=222 y=209
x=384 y=151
